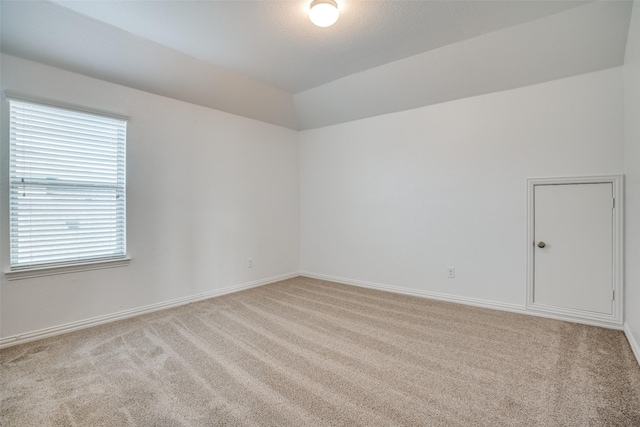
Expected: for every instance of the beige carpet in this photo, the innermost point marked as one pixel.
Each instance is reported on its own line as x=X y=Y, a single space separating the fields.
x=305 y=352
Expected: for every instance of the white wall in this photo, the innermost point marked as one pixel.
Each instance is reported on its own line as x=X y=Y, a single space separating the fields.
x=206 y=190
x=395 y=199
x=632 y=170
x=392 y=199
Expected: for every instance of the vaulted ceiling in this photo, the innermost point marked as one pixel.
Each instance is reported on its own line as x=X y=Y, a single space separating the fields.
x=267 y=61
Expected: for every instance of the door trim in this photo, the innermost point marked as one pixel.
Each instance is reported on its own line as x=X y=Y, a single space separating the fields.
x=617 y=181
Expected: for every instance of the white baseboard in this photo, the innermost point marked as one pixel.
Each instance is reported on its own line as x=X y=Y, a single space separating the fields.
x=632 y=342
x=95 y=321
x=476 y=302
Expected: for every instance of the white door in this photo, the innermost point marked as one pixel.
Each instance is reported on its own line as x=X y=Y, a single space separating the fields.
x=573 y=246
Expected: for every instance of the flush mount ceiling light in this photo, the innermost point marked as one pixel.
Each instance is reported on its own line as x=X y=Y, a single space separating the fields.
x=323 y=13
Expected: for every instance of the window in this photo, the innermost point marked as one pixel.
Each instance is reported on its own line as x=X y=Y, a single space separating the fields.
x=67 y=186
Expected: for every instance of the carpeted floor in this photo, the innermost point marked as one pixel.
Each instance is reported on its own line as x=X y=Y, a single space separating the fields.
x=305 y=352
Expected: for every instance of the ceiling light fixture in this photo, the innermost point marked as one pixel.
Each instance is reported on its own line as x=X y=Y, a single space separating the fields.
x=323 y=13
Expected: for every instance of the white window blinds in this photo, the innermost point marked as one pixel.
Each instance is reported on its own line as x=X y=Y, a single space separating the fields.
x=67 y=179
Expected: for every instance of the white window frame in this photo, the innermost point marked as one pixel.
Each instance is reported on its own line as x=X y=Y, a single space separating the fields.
x=68 y=266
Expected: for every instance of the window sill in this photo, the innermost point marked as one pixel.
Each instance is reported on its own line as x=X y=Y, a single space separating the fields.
x=63 y=269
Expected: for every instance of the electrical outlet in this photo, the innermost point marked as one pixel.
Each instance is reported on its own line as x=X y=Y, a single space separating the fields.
x=250 y=263
x=451 y=272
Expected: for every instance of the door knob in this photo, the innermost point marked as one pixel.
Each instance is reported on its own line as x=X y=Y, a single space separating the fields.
x=541 y=244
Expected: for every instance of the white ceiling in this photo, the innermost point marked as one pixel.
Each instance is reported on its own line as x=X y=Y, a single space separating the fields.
x=275 y=42
x=580 y=40
x=265 y=60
